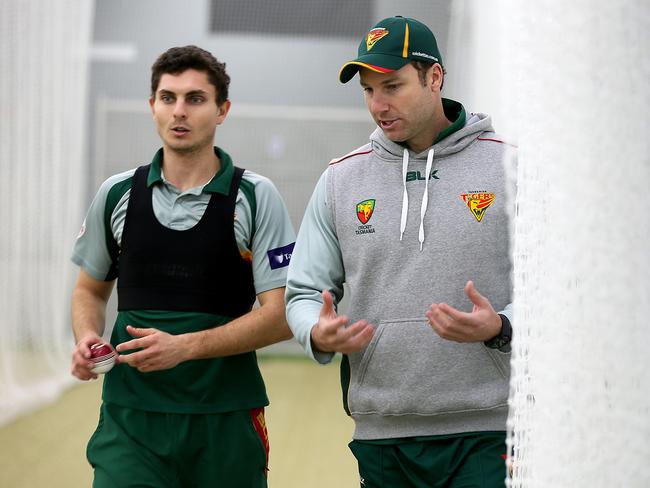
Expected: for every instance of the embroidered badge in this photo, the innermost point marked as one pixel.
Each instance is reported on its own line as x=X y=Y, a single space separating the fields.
x=365 y=210
x=280 y=256
x=478 y=202
x=374 y=35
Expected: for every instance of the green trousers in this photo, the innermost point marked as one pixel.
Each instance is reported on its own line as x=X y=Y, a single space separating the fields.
x=135 y=448
x=475 y=460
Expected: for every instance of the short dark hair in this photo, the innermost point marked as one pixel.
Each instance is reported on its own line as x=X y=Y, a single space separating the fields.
x=179 y=59
x=423 y=68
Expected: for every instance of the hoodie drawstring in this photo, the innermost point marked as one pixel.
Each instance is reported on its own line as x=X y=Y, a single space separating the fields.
x=405 y=197
x=425 y=196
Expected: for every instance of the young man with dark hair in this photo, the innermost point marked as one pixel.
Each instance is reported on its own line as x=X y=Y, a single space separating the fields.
x=414 y=223
x=192 y=241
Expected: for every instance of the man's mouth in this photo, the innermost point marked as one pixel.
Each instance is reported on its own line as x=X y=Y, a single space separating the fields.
x=179 y=130
x=387 y=124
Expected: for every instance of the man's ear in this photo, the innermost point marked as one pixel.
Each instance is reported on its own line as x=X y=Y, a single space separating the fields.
x=152 y=100
x=437 y=77
x=223 y=110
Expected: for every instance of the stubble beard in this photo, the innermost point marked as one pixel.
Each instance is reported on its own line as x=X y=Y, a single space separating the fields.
x=186 y=150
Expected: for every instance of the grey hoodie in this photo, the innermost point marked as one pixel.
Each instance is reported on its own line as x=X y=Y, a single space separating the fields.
x=405 y=230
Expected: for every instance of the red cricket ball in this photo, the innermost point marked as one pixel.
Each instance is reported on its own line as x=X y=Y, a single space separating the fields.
x=100 y=350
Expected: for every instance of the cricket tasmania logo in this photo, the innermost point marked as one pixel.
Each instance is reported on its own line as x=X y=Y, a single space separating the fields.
x=374 y=35
x=365 y=210
x=478 y=202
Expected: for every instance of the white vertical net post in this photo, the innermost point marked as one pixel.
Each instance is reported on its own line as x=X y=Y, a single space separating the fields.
x=578 y=92
x=43 y=81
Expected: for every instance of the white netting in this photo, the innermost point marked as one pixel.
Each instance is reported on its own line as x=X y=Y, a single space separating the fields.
x=578 y=91
x=43 y=54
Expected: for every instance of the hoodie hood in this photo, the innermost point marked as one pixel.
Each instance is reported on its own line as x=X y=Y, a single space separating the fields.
x=462 y=132
x=470 y=128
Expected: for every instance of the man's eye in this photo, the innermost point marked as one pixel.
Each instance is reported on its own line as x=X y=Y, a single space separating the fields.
x=196 y=99
x=166 y=98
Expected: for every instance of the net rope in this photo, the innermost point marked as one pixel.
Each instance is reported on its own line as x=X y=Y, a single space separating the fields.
x=577 y=93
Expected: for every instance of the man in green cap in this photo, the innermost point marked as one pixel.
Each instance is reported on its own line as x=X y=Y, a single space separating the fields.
x=415 y=223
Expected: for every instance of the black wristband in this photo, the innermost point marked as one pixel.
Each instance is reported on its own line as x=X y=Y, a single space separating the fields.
x=504 y=337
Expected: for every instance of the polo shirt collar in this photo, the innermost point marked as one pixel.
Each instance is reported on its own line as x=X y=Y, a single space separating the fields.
x=455 y=112
x=220 y=183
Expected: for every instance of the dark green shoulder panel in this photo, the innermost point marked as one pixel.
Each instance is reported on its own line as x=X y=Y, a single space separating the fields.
x=248 y=189
x=113 y=197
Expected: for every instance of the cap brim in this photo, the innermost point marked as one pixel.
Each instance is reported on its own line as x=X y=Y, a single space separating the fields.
x=380 y=63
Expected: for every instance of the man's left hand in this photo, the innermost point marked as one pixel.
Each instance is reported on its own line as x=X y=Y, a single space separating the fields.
x=157 y=350
x=481 y=324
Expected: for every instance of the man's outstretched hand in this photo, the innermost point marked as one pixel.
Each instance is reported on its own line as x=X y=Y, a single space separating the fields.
x=332 y=333
x=481 y=324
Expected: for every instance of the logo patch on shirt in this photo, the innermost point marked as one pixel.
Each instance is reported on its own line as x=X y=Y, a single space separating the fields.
x=365 y=210
x=280 y=256
x=478 y=202
x=416 y=175
x=374 y=35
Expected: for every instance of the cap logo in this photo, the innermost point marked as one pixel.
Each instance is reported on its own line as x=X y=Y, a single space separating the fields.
x=374 y=35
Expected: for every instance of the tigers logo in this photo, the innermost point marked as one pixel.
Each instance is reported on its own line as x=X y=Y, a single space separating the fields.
x=365 y=209
x=374 y=35
x=478 y=202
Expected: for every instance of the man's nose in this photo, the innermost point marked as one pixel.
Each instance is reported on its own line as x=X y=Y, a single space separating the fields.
x=180 y=109
x=377 y=103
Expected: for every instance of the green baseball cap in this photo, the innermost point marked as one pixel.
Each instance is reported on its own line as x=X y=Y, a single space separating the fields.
x=391 y=44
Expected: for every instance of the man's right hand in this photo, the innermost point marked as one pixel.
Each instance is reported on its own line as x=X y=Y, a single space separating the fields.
x=89 y=299
x=81 y=363
x=332 y=334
